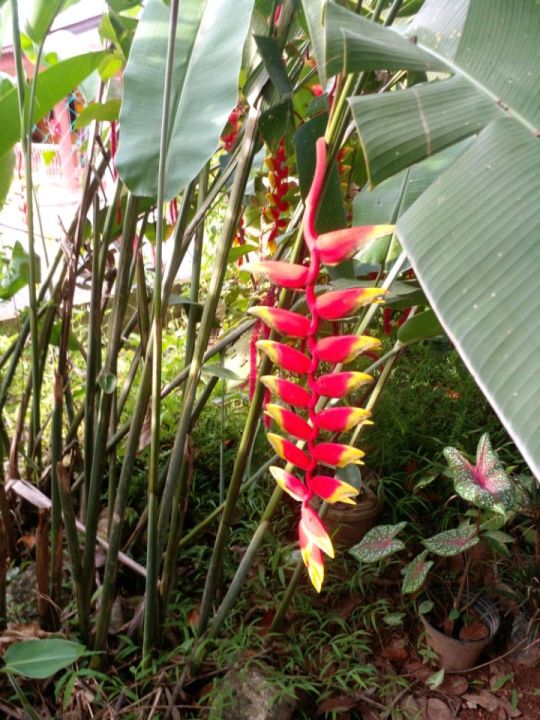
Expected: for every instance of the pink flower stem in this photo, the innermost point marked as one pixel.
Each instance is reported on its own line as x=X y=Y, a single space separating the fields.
x=310 y=236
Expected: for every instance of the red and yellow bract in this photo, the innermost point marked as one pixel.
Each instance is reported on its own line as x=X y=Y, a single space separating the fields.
x=287 y=391
x=330 y=248
x=282 y=274
x=285 y=357
x=339 y=245
x=284 y=322
x=337 y=385
x=338 y=304
x=289 y=422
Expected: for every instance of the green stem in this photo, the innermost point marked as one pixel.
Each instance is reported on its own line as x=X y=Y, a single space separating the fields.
x=151 y=622
x=72 y=537
x=26 y=117
x=99 y=255
x=109 y=372
x=208 y=317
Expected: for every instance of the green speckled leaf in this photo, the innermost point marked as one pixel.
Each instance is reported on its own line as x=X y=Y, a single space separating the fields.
x=415 y=573
x=485 y=484
x=452 y=542
x=378 y=543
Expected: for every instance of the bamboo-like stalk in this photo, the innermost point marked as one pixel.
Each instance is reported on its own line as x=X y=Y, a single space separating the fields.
x=121 y=298
x=26 y=112
x=196 y=270
x=122 y=491
x=43 y=347
x=99 y=254
x=42 y=568
x=4 y=545
x=16 y=349
x=177 y=524
x=151 y=605
x=207 y=320
x=70 y=524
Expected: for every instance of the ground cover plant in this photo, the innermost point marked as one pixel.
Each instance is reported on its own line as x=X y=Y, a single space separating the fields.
x=352 y=189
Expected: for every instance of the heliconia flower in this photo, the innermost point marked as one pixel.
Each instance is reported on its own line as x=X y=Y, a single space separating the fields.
x=284 y=274
x=332 y=490
x=288 y=391
x=339 y=245
x=337 y=454
x=315 y=530
x=344 y=348
x=285 y=357
x=289 y=421
x=288 y=451
x=338 y=304
x=284 y=322
x=341 y=419
x=337 y=385
x=313 y=559
x=291 y=484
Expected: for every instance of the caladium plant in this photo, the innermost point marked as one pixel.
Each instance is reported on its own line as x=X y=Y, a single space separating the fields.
x=485 y=484
x=314 y=362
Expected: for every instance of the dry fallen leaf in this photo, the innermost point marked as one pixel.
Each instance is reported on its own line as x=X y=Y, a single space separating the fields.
x=437 y=710
x=396 y=650
x=454 y=685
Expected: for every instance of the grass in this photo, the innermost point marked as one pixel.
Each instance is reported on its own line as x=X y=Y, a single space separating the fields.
x=334 y=642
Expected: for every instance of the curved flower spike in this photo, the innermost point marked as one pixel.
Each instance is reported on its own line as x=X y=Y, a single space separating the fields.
x=332 y=490
x=288 y=451
x=288 y=391
x=284 y=322
x=285 y=357
x=341 y=419
x=283 y=274
x=312 y=557
x=339 y=245
x=340 y=303
x=337 y=454
x=315 y=530
x=337 y=385
x=289 y=421
x=344 y=348
x=291 y=484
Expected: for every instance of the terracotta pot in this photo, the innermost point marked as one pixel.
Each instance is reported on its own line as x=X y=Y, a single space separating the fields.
x=456 y=654
x=347 y=524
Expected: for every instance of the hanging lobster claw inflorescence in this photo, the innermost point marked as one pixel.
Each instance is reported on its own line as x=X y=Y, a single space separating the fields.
x=314 y=382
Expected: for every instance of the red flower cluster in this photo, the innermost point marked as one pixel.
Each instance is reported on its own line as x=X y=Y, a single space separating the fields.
x=234 y=122
x=329 y=249
x=272 y=214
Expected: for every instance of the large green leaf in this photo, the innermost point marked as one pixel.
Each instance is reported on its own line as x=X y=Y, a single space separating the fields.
x=384 y=204
x=40 y=659
x=208 y=52
x=418 y=122
x=7 y=165
x=353 y=43
x=314 y=11
x=53 y=84
x=40 y=14
x=473 y=240
x=493 y=43
x=491 y=46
